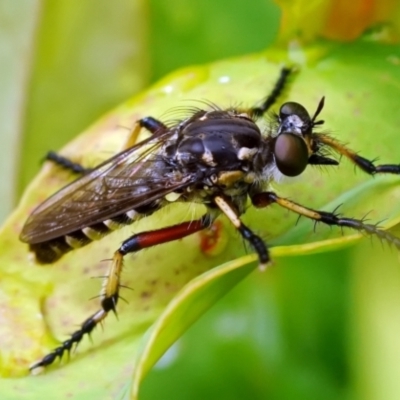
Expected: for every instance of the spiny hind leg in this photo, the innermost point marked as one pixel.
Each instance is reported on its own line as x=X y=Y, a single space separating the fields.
x=270 y=100
x=151 y=124
x=110 y=290
x=329 y=218
x=66 y=163
x=363 y=163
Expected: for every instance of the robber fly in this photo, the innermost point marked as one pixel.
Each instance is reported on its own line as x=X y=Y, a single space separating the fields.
x=217 y=157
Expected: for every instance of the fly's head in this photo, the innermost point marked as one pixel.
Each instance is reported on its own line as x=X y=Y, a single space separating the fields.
x=296 y=145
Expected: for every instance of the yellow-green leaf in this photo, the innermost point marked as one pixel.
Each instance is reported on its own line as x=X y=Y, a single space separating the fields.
x=52 y=300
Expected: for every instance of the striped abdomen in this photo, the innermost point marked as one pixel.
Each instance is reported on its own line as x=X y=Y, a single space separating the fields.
x=52 y=250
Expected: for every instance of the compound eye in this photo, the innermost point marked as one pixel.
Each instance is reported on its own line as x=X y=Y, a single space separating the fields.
x=293 y=108
x=291 y=154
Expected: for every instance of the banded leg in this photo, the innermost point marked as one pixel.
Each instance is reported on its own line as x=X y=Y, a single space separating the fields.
x=366 y=165
x=110 y=290
x=255 y=241
x=152 y=125
x=329 y=218
x=149 y=123
x=273 y=96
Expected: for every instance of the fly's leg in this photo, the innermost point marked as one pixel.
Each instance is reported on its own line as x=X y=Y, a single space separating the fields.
x=270 y=100
x=151 y=124
x=110 y=290
x=66 y=163
x=255 y=241
x=366 y=165
x=329 y=218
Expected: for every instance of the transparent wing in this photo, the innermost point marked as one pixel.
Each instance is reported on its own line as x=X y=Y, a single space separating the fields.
x=134 y=177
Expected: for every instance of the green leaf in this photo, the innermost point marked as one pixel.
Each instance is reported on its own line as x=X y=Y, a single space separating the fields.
x=50 y=301
x=197 y=297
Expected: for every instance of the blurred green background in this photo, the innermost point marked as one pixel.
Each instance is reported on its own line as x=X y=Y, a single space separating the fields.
x=300 y=331
x=102 y=54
